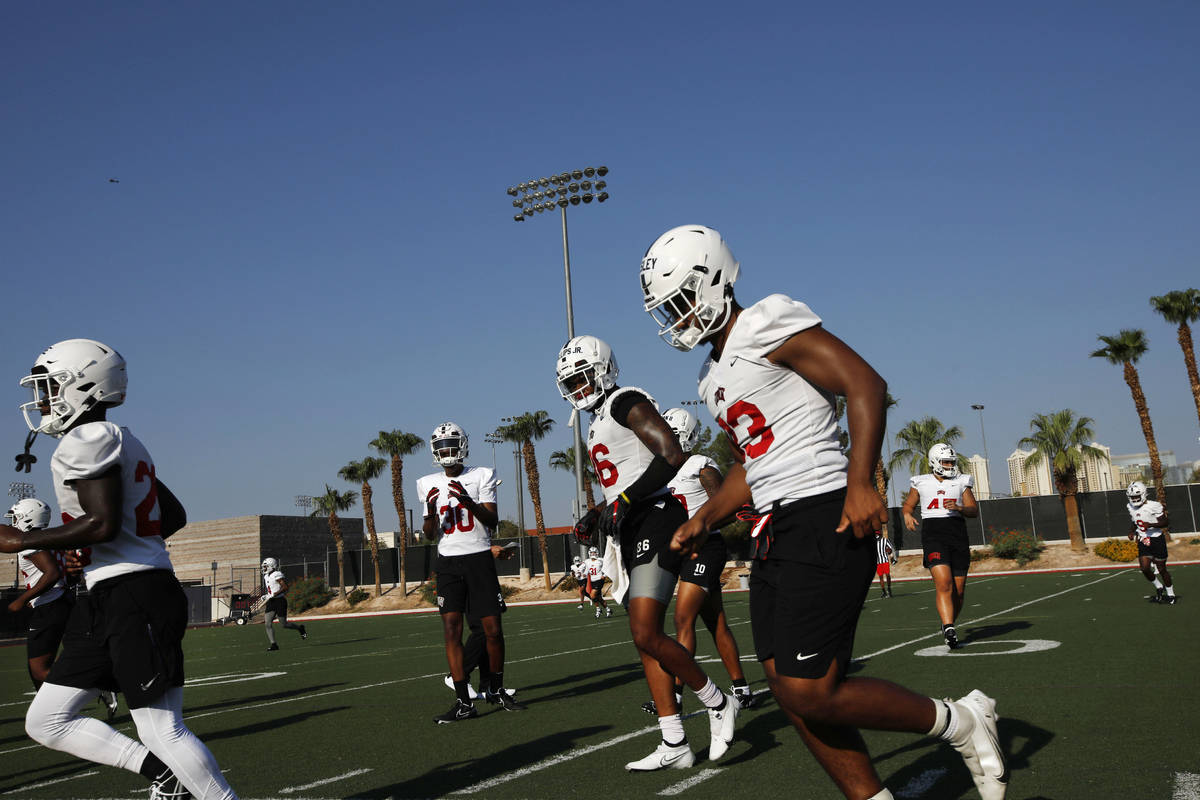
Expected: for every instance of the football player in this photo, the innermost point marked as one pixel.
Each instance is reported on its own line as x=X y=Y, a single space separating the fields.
x=769 y=381
x=699 y=593
x=579 y=573
x=45 y=591
x=885 y=556
x=635 y=455
x=460 y=502
x=276 y=586
x=593 y=570
x=945 y=497
x=1149 y=525
x=126 y=632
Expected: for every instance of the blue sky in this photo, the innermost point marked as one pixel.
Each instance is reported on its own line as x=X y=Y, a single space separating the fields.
x=310 y=240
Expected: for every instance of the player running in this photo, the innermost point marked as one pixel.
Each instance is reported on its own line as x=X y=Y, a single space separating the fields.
x=1149 y=526
x=593 y=570
x=277 y=605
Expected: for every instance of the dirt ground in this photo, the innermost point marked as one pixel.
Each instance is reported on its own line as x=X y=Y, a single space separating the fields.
x=1055 y=556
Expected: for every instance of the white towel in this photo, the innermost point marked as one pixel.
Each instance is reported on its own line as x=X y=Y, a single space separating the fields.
x=614 y=570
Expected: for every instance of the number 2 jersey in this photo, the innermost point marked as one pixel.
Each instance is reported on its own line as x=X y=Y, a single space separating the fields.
x=783 y=428
x=934 y=494
x=89 y=451
x=618 y=455
x=462 y=534
x=1145 y=518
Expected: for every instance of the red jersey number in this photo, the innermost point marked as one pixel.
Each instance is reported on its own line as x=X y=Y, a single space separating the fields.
x=759 y=436
x=464 y=520
x=606 y=471
x=146 y=510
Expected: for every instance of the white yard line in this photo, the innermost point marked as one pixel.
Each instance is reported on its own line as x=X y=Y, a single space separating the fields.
x=1187 y=786
x=323 y=781
x=29 y=786
x=683 y=786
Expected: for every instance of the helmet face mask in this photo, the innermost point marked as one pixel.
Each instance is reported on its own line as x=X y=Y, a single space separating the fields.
x=269 y=565
x=448 y=445
x=687 y=284
x=938 y=455
x=586 y=370
x=70 y=378
x=685 y=425
x=593 y=552
x=29 y=514
x=577 y=560
x=1136 y=494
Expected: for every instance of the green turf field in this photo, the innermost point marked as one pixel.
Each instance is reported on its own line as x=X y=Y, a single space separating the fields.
x=1096 y=689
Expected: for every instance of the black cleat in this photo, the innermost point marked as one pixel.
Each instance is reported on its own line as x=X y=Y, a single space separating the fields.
x=272 y=647
x=505 y=700
x=744 y=695
x=1170 y=600
x=303 y=632
x=457 y=713
x=650 y=708
x=951 y=638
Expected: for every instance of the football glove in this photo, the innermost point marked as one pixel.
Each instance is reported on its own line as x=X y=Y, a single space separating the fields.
x=459 y=492
x=747 y=514
x=431 y=502
x=585 y=528
x=614 y=516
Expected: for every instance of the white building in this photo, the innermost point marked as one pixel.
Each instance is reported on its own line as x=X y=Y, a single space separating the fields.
x=1095 y=475
x=977 y=468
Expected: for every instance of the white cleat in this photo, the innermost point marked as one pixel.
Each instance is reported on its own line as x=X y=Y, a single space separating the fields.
x=664 y=757
x=720 y=725
x=474 y=695
x=981 y=751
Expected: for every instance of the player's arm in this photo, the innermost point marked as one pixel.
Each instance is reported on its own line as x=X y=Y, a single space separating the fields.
x=711 y=479
x=429 y=521
x=654 y=432
x=733 y=493
x=968 y=507
x=50 y=575
x=1164 y=524
x=170 y=511
x=826 y=361
x=909 y=506
x=99 y=497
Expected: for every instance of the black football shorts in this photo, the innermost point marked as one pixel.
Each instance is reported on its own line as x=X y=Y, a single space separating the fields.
x=1157 y=549
x=944 y=541
x=705 y=569
x=469 y=582
x=47 y=624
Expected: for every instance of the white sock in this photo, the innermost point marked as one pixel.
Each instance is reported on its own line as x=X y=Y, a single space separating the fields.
x=672 y=729
x=160 y=726
x=1171 y=591
x=883 y=794
x=710 y=695
x=1158 y=584
x=53 y=720
x=951 y=724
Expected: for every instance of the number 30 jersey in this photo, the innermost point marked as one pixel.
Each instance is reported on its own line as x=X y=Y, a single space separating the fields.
x=934 y=494
x=782 y=427
x=462 y=534
x=618 y=455
x=89 y=451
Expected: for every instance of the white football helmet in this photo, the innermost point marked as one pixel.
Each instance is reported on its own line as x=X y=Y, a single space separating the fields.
x=448 y=445
x=1136 y=494
x=685 y=425
x=687 y=284
x=587 y=370
x=943 y=452
x=269 y=565
x=576 y=561
x=29 y=514
x=69 y=378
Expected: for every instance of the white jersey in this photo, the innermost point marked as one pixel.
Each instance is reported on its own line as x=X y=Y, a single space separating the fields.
x=783 y=428
x=88 y=451
x=686 y=483
x=593 y=569
x=274 y=583
x=579 y=572
x=1145 y=518
x=462 y=534
x=618 y=455
x=30 y=575
x=934 y=494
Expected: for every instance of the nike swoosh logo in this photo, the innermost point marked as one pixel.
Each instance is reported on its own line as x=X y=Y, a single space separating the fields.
x=667 y=761
x=145 y=687
x=802 y=657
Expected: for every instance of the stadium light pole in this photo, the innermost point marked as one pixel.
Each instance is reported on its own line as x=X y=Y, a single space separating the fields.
x=21 y=490
x=304 y=501
x=536 y=196
x=987 y=464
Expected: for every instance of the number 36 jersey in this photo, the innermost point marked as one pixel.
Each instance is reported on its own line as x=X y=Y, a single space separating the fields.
x=783 y=428
x=89 y=451
x=462 y=534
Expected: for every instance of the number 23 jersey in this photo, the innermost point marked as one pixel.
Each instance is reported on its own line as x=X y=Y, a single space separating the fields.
x=782 y=427
x=462 y=534
x=89 y=451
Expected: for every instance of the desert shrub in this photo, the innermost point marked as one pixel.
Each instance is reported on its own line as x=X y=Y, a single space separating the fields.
x=981 y=554
x=306 y=593
x=428 y=590
x=569 y=584
x=357 y=596
x=1019 y=545
x=1117 y=549
x=507 y=590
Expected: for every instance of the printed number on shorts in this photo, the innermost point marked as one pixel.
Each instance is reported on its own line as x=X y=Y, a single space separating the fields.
x=642 y=548
x=759 y=436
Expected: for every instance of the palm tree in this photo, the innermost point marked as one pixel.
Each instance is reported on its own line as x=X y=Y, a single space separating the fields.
x=1182 y=307
x=329 y=504
x=397 y=445
x=363 y=472
x=882 y=475
x=565 y=460
x=1125 y=349
x=525 y=430
x=917 y=436
x=1061 y=440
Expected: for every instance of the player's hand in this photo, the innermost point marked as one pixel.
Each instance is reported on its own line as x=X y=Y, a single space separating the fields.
x=690 y=537
x=613 y=517
x=950 y=504
x=15 y=606
x=73 y=565
x=459 y=493
x=910 y=522
x=11 y=540
x=863 y=512
x=585 y=528
x=431 y=502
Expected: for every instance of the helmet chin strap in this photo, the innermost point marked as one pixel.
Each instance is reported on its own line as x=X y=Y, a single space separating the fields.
x=26 y=460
